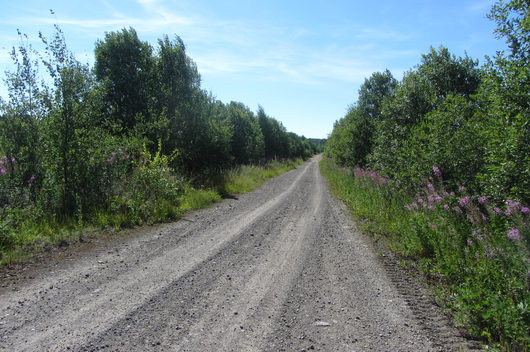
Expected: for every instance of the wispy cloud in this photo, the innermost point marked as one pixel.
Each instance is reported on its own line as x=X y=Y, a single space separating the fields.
x=268 y=51
x=109 y=22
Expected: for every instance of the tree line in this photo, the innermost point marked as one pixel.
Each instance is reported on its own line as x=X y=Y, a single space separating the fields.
x=471 y=122
x=72 y=137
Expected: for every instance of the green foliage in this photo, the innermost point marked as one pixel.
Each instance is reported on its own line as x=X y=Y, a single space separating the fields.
x=478 y=254
x=248 y=177
x=132 y=141
x=352 y=139
x=247 y=139
x=124 y=66
x=506 y=106
x=373 y=92
x=447 y=138
x=471 y=127
x=150 y=193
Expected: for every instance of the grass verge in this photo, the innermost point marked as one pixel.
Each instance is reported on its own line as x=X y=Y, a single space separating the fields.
x=476 y=254
x=24 y=232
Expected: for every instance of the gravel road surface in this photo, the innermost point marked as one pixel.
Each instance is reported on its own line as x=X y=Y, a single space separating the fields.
x=282 y=268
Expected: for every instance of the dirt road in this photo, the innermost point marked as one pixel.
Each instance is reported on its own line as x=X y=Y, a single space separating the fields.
x=282 y=268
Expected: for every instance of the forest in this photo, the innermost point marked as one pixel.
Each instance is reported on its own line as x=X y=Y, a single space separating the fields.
x=120 y=143
x=439 y=162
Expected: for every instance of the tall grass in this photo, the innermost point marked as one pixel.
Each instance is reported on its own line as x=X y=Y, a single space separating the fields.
x=248 y=177
x=476 y=253
x=151 y=194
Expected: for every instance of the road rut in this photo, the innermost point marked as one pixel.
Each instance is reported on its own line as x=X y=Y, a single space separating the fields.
x=282 y=268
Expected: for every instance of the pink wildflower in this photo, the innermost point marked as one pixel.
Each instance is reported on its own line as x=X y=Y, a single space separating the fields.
x=469 y=242
x=430 y=187
x=525 y=210
x=458 y=209
x=461 y=188
x=436 y=171
x=483 y=200
x=3 y=171
x=514 y=234
x=464 y=201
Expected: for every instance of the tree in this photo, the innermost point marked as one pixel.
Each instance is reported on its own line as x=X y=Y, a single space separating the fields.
x=505 y=105
x=124 y=65
x=20 y=122
x=274 y=136
x=247 y=138
x=373 y=91
x=448 y=74
x=67 y=128
x=423 y=90
x=178 y=84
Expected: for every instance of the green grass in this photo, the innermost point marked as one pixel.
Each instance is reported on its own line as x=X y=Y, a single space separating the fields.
x=459 y=241
x=24 y=232
x=248 y=177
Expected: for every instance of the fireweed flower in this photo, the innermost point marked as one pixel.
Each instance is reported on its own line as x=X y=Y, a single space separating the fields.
x=458 y=209
x=3 y=171
x=430 y=187
x=430 y=199
x=525 y=210
x=497 y=211
x=438 y=198
x=436 y=171
x=514 y=234
x=483 y=200
x=464 y=201
x=446 y=207
x=469 y=242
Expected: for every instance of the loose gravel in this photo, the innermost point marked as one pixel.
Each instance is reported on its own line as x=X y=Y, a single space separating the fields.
x=282 y=268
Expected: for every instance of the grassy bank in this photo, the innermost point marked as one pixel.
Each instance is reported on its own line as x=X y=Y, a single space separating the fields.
x=475 y=253
x=151 y=195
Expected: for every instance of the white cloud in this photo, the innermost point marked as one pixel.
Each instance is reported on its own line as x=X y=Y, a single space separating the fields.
x=265 y=51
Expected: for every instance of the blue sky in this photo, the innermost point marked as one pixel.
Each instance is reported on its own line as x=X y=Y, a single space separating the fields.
x=303 y=61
